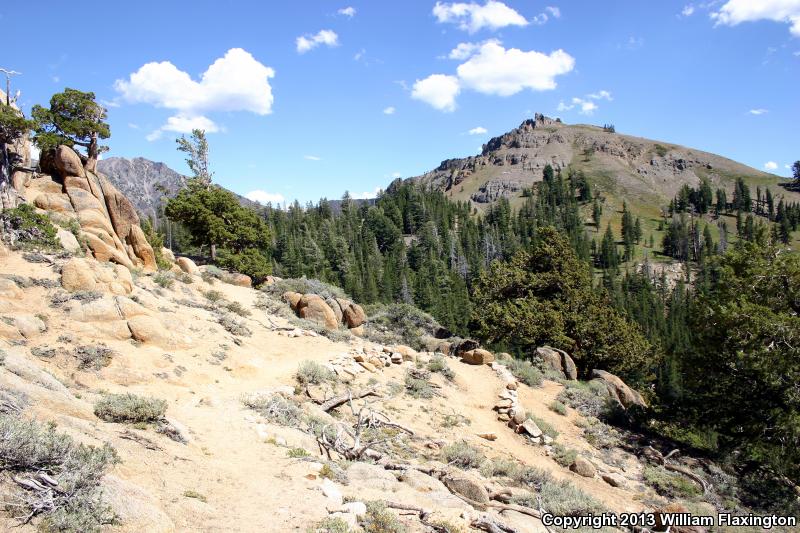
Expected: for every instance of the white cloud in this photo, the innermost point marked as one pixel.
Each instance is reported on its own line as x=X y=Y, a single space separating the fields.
x=737 y=11
x=770 y=165
x=184 y=124
x=366 y=195
x=758 y=111
x=688 y=10
x=348 y=11
x=480 y=130
x=438 y=90
x=133 y=125
x=312 y=158
x=309 y=42
x=600 y=95
x=358 y=55
x=264 y=197
x=554 y=11
x=463 y=51
x=234 y=82
x=500 y=71
x=389 y=110
x=473 y=17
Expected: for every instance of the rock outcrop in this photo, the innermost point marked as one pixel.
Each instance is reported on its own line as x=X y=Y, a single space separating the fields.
x=109 y=224
x=557 y=360
x=618 y=390
x=330 y=313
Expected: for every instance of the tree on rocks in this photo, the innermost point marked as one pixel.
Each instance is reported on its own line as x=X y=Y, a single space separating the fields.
x=13 y=125
x=74 y=119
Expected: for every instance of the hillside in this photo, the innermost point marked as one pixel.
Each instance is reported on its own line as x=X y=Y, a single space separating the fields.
x=641 y=170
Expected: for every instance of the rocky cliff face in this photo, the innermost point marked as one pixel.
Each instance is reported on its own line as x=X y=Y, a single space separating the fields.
x=143 y=181
x=109 y=224
x=614 y=162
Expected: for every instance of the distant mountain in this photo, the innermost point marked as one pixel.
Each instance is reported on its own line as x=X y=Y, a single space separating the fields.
x=146 y=183
x=641 y=171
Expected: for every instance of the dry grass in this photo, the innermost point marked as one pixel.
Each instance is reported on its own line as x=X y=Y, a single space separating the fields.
x=129 y=408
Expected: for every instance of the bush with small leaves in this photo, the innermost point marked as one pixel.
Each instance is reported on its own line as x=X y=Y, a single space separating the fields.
x=499 y=467
x=30 y=448
x=214 y=296
x=439 y=365
x=164 y=279
x=238 y=308
x=588 y=398
x=233 y=326
x=195 y=495
x=564 y=498
x=129 y=408
x=297 y=453
x=668 y=483
x=462 y=455
x=185 y=277
x=331 y=524
x=313 y=373
x=533 y=477
x=525 y=372
x=379 y=519
x=95 y=356
x=418 y=384
x=558 y=407
x=275 y=408
x=563 y=455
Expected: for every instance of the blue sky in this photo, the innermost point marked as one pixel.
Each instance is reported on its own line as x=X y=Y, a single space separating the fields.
x=309 y=99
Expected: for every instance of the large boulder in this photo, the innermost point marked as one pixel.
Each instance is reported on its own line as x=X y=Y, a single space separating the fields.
x=468 y=486
x=150 y=330
x=313 y=307
x=68 y=241
x=80 y=274
x=352 y=314
x=478 y=356
x=292 y=298
x=618 y=390
x=558 y=360
x=583 y=467
x=238 y=279
x=67 y=162
x=10 y=290
x=188 y=266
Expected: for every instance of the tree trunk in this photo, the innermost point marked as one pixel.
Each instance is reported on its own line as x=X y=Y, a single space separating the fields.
x=91 y=151
x=213 y=252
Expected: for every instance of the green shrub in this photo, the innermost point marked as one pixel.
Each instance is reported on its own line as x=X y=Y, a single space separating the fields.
x=29 y=448
x=418 y=385
x=30 y=227
x=297 y=453
x=313 y=373
x=558 y=407
x=670 y=484
x=195 y=495
x=462 y=455
x=525 y=372
x=499 y=468
x=399 y=324
x=439 y=364
x=305 y=286
x=275 y=408
x=214 y=296
x=164 y=279
x=564 y=498
x=331 y=524
x=250 y=261
x=588 y=398
x=233 y=326
x=546 y=428
x=563 y=455
x=532 y=476
x=238 y=308
x=185 y=277
x=379 y=519
x=129 y=408
x=95 y=356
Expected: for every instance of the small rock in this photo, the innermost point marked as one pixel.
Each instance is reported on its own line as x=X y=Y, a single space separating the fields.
x=488 y=436
x=615 y=480
x=531 y=428
x=368 y=366
x=356 y=508
x=583 y=467
x=511 y=385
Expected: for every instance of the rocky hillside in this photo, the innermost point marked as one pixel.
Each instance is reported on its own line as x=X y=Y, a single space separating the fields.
x=147 y=182
x=248 y=418
x=616 y=164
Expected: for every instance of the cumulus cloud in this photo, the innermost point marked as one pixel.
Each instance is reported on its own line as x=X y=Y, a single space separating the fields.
x=264 y=197
x=770 y=165
x=309 y=42
x=503 y=72
x=480 y=130
x=688 y=10
x=348 y=11
x=758 y=111
x=473 y=17
x=437 y=90
x=735 y=12
x=367 y=195
x=234 y=82
x=389 y=110
x=312 y=158
x=489 y=68
x=585 y=105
